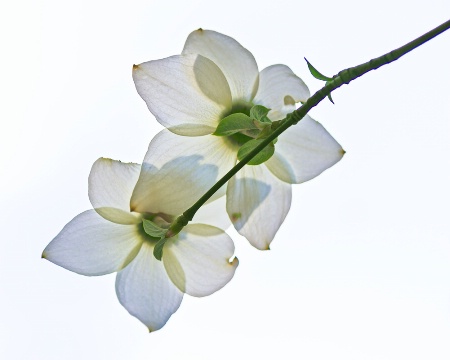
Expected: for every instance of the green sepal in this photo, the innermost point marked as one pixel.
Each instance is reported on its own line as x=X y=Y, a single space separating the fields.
x=233 y=124
x=158 y=249
x=314 y=72
x=264 y=155
x=153 y=230
x=259 y=112
x=329 y=95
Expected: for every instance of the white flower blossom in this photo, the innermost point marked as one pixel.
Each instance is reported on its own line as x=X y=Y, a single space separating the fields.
x=111 y=238
x=212 y=78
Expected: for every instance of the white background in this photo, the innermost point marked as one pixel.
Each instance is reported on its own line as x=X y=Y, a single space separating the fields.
x=361 y=267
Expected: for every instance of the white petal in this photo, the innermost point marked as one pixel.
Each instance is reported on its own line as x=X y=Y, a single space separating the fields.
x=213 y=213
x=304 y=151
x=198 y=260
x=178 y=170
x=279 y=90
x=236 y=62
x=145 y=290
x=257 y=203
x=188 y=94
x=91 y=245
x=111 y=184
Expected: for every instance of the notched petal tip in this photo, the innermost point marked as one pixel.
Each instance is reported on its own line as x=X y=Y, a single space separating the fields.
x=105 y=159
x=234 y=262
x=199 y=30
x=235 y=217
x=262 y=247
x=135 y=67
x=289 y=100
x=44 y=255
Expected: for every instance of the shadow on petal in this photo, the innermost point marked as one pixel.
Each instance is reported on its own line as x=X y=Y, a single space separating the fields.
x=173 y=188
x=174 y=268
x=118 y=216
x=251 y=193
x=211 y=81
x=281 y=168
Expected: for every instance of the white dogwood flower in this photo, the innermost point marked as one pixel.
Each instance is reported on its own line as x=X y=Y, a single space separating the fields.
x=214 y=78
x=112 y=238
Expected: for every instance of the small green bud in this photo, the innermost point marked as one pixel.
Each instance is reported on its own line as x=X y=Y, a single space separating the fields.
x=259 y=112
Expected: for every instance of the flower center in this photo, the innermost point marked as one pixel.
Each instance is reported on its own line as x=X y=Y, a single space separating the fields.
x=239 y=138
x=240 y=107
x=160 y=219
x=246 y=128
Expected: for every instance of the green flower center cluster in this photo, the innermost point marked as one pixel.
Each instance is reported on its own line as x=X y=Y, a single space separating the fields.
x=246 y=126
x=155 y=226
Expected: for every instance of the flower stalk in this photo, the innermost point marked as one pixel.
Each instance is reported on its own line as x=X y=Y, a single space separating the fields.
x=343 y=77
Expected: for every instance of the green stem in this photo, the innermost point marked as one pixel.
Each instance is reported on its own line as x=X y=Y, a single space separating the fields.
x=343 y=77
